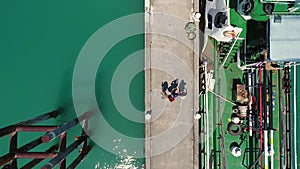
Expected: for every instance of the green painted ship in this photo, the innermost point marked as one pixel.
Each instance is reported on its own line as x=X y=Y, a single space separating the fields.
x=250 y=90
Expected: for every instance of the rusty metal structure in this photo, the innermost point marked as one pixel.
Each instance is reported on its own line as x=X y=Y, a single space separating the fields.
x=57 y=153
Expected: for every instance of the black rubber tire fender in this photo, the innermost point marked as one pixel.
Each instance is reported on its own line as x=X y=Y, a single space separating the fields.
x=233 y=132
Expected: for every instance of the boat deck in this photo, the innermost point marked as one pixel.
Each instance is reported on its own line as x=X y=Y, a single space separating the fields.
x=222 y=98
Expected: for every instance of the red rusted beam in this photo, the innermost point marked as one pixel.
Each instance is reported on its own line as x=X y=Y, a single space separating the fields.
x=10 y=156
x=79 y=158
x=9 y=129
x=63 y=146
x=13 y=146
x=6 y=158
x=36 y=155
x=62 y=155
x=27 y=128
x=34 y=162
x=64 y=127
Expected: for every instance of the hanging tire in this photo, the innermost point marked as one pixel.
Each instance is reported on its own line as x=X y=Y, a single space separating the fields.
x=268 y=8
x=247 y=7
x=234 y=129
x=235 y=111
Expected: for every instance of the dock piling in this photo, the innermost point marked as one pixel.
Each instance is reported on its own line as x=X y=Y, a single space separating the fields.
x=53 y=134
x=10 y=159
x=34 y=162
x=62 y=155
x=9 y=129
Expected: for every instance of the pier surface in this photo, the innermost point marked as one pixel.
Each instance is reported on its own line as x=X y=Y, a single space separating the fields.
x=172 y=132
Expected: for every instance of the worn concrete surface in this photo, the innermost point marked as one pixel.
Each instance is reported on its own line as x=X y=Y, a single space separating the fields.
x=172 y=133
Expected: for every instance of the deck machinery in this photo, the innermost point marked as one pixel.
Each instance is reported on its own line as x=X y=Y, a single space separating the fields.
x=245 y=88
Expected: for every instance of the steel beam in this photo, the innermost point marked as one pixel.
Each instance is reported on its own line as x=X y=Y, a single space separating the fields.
x=63 y=155
x=62 y=145
x=28 y=128
x=9 y=129
x=80 y=157
x=34 y=162
x=36 y=155
x=66 y=126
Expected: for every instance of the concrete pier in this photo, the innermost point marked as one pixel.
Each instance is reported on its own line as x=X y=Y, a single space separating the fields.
x=172 y=131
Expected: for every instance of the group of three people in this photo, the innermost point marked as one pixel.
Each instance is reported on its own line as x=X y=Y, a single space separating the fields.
x=170 y=89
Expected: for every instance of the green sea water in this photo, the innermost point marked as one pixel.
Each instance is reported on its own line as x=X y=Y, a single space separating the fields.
x=39 y=44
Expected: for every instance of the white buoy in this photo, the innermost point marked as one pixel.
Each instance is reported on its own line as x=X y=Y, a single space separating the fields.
x=198 y=15
x=148 y=116
x=235 y=120
x=197 y=116
x=236 y=151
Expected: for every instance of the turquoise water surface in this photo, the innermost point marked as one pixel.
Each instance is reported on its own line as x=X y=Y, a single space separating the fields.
x=39 y=44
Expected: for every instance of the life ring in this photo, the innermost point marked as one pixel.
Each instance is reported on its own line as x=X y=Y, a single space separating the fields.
x=191 y=36
x=235 y=110
x=231 y=129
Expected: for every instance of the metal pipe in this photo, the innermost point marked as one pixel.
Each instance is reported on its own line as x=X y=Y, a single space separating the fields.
x=34 y=162
x=256 y=119
x=254 y=164
x=37 y=155
x=251 y=93
x=63 y=155
x=8 y=157
x=295 y=119
x=265 y=119
x=266 y=149
x=216 y=102
x=80 y=157
x=281 y=109
x=221 y=97
x=13 y=148
x=270 y=101
x=271 y=153
x=239 y=62
x=62 y=145
x=26 y=128
x=265 y=111
x=66 y=126
x=260 y=111
x=250 y=106
x=246 y=67
x=9 y=129
x=42 y=117
x=272 y=149
x=257 y=64
x=207 y=119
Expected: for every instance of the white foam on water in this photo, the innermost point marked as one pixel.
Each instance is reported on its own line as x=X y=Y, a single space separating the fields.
x=124 y=161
